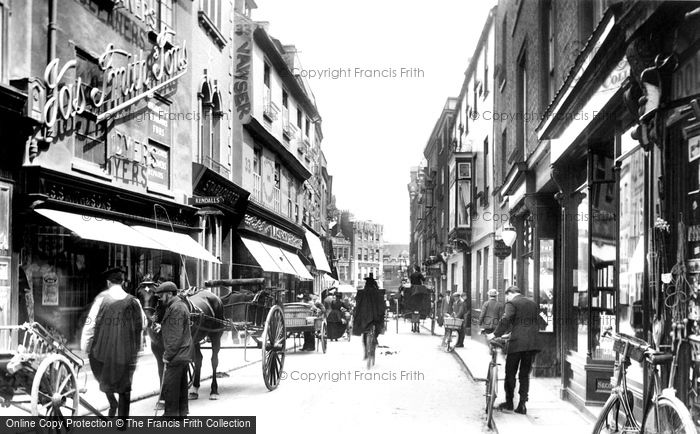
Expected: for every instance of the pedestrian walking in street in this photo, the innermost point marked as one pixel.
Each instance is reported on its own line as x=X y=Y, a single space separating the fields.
x=112 y=339
x=491 y=312
x=369 y=309
x=416 y=278
x=522 y=320
x=461 y=312
x=177 y=342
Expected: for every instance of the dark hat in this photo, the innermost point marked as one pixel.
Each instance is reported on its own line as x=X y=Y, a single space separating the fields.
x=513 y=290
x=113 y=273
x=166 y=287
x=370 y=277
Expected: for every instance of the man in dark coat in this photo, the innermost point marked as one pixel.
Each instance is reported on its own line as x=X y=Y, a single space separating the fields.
x=460 y=311
x=491 y=312
x=177 y=340
x=369 y=308
x=112 y=339
x=522 y=319
x=417 y=277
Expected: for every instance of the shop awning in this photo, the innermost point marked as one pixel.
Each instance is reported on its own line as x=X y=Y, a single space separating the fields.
x=280 y=259
x=317 y=252
x=99 y=229
x=114 y=232
x=261 y=256
x=298 y=265
x=276 y=260
x=178 y=243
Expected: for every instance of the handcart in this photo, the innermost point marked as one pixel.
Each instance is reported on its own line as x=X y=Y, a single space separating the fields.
x=40 y=376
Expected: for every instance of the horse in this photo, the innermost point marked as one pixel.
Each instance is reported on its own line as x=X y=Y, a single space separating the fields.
x=207 y=313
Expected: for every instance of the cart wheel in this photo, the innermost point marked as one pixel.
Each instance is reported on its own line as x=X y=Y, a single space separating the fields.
x=55 y=388
x=324 y=336
x=273 y=348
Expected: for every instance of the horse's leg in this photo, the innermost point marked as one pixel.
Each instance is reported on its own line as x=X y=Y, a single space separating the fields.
x=215 y=347
x=194 y=390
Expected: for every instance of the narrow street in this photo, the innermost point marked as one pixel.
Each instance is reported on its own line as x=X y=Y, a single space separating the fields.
x=413 y=387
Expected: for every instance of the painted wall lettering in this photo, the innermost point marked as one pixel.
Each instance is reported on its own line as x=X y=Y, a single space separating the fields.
x=242 y=88
x=126 y=78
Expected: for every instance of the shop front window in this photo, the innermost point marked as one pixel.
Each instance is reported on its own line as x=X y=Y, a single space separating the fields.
x=632 y=247
x=546 y=296
x=580 y=277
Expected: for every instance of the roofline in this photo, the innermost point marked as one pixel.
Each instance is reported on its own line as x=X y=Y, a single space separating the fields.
x=479 y=46
x=265 y=42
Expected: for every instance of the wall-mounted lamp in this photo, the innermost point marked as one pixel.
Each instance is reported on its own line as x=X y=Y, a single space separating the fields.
x=508 y=234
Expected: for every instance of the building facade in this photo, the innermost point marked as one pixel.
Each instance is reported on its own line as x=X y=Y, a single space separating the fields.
x=134 y=138
x=591 y=182
x=366 y=242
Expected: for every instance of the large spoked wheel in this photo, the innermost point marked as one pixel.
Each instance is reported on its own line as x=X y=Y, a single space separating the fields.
x=55 y=388
x=491 y=392
x=613 y=418
x=190 y=374
x=323 y=336
x=274 y=342
x=671 y=417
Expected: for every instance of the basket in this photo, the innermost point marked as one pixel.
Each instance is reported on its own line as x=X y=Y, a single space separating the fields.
x=294 y=322
x=694 y=341
x=453 y=323
x=635 y=350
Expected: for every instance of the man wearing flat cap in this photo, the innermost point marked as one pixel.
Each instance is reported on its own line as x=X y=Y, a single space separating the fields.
x=112 y=339
x=177 y=340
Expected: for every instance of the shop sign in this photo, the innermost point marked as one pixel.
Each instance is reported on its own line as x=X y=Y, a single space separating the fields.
x=242 y=86
x=501 y=250
x=136 y=161
x=686 y=79
x=263 y=227
x=126 y=79
x=206 y=200
x=49 y=289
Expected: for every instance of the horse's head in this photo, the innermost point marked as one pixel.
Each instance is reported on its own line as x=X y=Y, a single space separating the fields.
x=146 y=293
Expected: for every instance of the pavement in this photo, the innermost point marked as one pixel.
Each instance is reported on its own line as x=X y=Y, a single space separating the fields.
x=546 y=411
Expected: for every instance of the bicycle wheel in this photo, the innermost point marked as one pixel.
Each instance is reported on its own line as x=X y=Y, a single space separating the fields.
x=491 y=392
x=673 y=417
x=613 y=418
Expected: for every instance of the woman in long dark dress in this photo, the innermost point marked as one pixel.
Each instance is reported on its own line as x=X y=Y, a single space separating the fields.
x=336 y=327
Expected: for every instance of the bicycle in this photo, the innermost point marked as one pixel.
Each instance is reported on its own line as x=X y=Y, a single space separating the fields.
x=370 y=341
x=662 y=412
x=451 y=325
x=492 y=377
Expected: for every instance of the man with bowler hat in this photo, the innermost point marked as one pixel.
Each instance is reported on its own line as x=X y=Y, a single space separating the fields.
x=112 y=339
x=177 y=340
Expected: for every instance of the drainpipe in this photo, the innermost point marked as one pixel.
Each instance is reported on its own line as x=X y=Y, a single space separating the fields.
x=51 y=39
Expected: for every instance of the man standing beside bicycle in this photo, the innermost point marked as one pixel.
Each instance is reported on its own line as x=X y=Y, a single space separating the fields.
x=522 y=320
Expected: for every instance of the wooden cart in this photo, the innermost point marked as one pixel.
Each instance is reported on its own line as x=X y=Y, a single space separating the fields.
x=40 y=376
x=257 y=314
